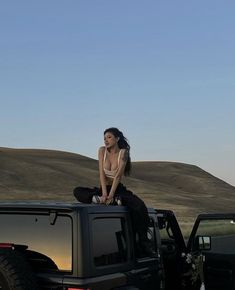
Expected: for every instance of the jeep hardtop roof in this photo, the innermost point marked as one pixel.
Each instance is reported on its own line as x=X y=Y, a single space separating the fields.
x=60 y=205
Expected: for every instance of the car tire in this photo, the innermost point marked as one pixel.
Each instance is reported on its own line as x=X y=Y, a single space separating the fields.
x=15 y=272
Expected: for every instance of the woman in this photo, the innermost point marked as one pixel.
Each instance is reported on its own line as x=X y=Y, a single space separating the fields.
x=114 y=162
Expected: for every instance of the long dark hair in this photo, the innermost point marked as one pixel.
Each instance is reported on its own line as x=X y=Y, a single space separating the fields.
x=122 y=144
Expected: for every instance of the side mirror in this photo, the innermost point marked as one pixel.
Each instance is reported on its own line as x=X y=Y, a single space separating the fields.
x=203 y=243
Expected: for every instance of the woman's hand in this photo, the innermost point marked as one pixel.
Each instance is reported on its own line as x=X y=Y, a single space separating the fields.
x=109 y=199
x=103 y=198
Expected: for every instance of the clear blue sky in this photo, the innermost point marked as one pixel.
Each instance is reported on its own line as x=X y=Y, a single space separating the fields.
x=161 y=71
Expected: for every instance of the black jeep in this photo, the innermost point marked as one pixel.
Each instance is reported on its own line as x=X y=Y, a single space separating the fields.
x=73 y=246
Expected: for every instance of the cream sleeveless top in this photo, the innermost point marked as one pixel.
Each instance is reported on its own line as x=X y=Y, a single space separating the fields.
x=111 y=173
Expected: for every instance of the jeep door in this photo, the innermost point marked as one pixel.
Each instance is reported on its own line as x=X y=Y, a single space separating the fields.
x=114 y=264
x=213 y=236
x=172 y=246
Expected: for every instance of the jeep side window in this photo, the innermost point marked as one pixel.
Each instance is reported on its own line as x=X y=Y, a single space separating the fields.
x=221 y=233
x=109 y=241
x=49 y=246
x=151 y=233
x=166 y=231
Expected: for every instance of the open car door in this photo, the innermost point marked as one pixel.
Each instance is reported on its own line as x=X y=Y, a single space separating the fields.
x=213 y=239
x=172 y=247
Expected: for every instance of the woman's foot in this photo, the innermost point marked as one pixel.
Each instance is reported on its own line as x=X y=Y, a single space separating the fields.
x=96 y=199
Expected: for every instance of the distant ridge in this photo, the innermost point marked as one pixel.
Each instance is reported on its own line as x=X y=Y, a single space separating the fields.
x=51 y=174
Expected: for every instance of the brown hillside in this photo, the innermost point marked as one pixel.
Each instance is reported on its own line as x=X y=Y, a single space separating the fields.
x=50 y=174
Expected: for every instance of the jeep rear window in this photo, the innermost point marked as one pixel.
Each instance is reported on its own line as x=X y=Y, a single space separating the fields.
x=109 y=241
x=49 y=243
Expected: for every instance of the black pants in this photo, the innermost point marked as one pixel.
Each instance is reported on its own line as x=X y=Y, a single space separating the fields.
x=135 y=205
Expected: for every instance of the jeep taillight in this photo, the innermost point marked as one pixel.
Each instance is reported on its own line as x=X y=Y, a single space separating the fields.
x=6 y=245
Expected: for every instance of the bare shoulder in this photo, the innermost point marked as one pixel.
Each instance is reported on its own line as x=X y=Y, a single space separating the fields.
x=124 y=154
x=101 y=150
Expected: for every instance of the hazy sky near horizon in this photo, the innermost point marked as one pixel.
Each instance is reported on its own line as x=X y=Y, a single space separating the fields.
x=163 y=72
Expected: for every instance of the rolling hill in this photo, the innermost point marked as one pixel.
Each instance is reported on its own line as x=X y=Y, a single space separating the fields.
x=48 y=174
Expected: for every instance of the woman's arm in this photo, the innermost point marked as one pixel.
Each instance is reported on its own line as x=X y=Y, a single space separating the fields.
x=101 y=173
x=119 y=174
